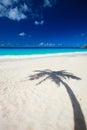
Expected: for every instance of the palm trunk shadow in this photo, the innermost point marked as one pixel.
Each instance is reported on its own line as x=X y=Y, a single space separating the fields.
x=79 y=121
x=59 y=77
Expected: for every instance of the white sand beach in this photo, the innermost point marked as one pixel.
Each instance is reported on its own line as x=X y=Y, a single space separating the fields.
x=48 y=100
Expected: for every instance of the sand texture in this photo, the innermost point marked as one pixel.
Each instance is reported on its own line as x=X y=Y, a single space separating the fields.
x=48 y=93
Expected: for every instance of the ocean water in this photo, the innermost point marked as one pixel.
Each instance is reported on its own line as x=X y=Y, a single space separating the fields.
x=37 y=51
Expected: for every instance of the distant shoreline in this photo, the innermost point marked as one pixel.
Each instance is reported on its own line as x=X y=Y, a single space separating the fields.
x=42 y=47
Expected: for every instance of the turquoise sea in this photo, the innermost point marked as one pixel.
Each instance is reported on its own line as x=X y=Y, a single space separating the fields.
x=37 y=51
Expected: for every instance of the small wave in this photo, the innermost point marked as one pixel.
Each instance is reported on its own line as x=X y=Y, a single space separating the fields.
x=41 y=55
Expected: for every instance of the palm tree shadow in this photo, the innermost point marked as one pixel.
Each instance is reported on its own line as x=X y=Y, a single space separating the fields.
x=59 y=77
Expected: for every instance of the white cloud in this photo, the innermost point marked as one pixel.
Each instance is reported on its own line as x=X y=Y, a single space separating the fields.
x=15 y=14
x=42 y=44
x=21 y=9
x=6 y=2
x=22 y=34
x=47 y=3
x=39 y=22
x=13 y=9
x=7 y=9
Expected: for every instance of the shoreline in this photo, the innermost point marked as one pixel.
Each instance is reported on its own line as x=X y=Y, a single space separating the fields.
x=41 y=55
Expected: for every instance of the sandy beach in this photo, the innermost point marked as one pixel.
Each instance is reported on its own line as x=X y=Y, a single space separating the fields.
x=43 y=93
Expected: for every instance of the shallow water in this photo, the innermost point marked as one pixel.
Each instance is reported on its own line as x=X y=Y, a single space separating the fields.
x=37 y=51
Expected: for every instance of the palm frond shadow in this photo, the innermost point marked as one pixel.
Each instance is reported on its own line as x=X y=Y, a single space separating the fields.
x=55 y=76
x=59 y=77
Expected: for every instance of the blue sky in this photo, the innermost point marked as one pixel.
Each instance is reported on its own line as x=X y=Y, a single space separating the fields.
x=43 y=22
